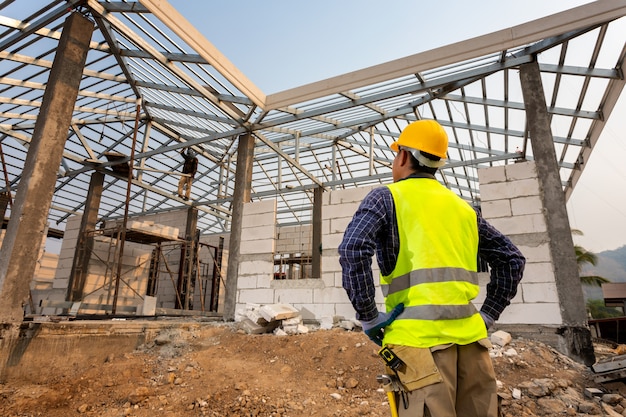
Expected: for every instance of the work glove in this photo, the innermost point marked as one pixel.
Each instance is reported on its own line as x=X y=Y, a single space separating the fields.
x=488 y=320
x=375 y=328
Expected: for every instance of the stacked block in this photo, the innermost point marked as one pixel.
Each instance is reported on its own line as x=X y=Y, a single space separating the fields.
x=256 y=265
x=512 y=203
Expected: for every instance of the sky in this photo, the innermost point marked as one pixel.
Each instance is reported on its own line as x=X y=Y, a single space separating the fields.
x=290 y=43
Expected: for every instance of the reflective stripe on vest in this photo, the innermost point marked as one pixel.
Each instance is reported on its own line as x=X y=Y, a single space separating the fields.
x=423 y=276
x=435 y=274
x=432 y=312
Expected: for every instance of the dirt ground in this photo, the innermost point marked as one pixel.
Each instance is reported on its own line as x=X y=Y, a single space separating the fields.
x=219 y=370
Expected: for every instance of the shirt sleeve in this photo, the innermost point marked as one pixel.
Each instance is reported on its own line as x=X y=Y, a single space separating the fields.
x=506 y=264
x=358 y=248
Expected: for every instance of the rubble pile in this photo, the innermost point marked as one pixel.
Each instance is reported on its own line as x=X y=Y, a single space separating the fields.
x=271 y=362
x=549 y=383
x=283 y=319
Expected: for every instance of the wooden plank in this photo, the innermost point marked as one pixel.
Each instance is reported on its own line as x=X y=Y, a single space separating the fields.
x=177 y=312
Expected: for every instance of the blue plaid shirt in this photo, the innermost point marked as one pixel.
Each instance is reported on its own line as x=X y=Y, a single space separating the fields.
x=374 y=230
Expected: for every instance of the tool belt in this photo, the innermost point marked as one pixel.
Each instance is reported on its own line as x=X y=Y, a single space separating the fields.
x=414 y=367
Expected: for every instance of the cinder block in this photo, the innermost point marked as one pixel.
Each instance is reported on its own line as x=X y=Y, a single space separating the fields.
x=278 y=311
x=541 y=292
x=521 y=171
x=330 y=295
x=315 y=311
x=340 y=210
x=540 y=253
x=258 y=233
x=345 y=310
x=531 y=223
x=330 y=261
x=532 y=313
x=255 y=220
x=265 y=280
x=512 y=189
x=255 y=267
x=351 y=195
x=247 y=281
x=260 y=296
x=491 y=175
x=148 y=308
x=257 y=246
x=501 y=338
x=294 y=295
x=538 y=272
x=496 y=208
x=527 y=187
x=259 y=207
x=60 y=283
x=526 y=205
x=331 y=241
x=339 y=224
x=329 y=278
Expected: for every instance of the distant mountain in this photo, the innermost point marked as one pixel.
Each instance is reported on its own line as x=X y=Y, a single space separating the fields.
x=611 y=265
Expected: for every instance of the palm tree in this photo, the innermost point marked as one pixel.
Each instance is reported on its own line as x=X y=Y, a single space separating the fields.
x=583 y=257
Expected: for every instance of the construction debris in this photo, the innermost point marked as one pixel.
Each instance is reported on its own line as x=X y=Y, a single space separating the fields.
x=610 y=370
x=281 y=319
x=501 y=338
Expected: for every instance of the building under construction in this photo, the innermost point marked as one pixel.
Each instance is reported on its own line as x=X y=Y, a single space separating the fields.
x=99 y=98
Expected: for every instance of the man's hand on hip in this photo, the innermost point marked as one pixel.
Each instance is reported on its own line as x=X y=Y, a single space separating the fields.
x=375 y=328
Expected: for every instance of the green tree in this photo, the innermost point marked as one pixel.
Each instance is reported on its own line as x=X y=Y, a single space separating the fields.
x=585 y=257
x=598 y=310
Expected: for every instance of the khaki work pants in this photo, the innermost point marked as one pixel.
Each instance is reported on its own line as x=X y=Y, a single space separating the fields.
x=184 y=183
x=468 y=389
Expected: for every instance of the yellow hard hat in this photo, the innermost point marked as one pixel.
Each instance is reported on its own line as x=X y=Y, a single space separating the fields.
x=424 y=135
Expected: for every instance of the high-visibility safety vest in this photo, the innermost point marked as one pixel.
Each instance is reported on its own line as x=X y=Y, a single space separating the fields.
x=436 y=272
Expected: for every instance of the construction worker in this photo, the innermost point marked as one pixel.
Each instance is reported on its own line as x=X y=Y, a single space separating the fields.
x=190 y=166
x=427 y=241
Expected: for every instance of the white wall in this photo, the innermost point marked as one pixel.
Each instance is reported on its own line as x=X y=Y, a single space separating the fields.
x=510 y=202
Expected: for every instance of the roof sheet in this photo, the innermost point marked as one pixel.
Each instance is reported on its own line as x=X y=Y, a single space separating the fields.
x=334 y=133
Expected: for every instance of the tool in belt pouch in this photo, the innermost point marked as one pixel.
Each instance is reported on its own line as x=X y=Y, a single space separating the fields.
x=415 y=367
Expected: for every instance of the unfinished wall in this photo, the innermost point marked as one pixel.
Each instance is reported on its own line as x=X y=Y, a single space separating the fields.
x=511 y=202
x=315 y=298
x=294 y=239
x=43 y=276
x=99 y=287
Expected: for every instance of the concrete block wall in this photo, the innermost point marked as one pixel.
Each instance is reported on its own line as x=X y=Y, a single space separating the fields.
x=44 y=274
x=511 y=202
x=256 y=254
x=294 y=239
x=135 y=265
x=338 y=207
x=315 y=298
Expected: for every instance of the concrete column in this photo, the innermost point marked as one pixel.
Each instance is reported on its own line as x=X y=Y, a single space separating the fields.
x=191 y=238
x=241 y=195
x=27 y=225
x=84 y=244
x=575 y=336
x=316 y=250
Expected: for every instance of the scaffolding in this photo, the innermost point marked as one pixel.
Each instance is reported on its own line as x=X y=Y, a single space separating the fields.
x=182 y=275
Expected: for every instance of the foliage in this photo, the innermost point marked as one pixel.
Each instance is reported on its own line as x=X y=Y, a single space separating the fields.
x=583 y=257
x=598 y=310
